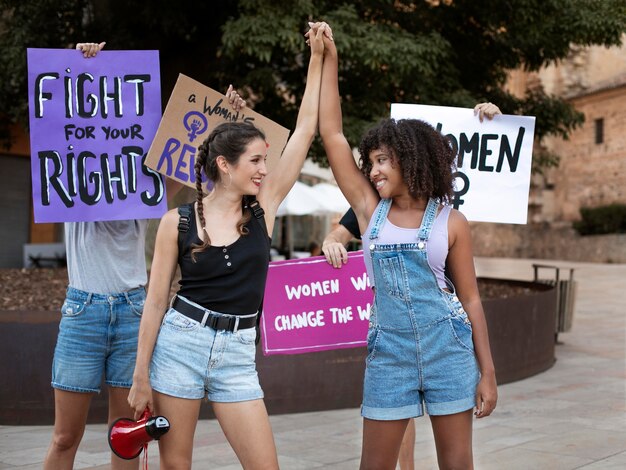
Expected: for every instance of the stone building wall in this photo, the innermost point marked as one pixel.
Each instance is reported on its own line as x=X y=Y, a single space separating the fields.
x=591 y=173
x=540 y=241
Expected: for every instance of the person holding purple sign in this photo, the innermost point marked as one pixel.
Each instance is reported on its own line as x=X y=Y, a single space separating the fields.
x=100 y=321
x=428 y=348
x=203 y=345
x=99 y=324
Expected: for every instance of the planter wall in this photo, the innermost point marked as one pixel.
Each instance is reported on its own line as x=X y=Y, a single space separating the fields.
x=521 y=331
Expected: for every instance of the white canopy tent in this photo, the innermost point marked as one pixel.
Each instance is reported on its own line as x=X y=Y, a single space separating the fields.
x=323 y=198
x=302 y=199
x=332 y=197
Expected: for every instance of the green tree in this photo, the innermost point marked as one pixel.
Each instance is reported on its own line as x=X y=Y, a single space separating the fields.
x=45 y=23
x=446 y=52
x=443 y=52
x=187 y=35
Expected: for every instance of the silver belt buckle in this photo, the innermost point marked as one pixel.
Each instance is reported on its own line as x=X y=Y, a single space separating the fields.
x=205 y=318
x=236 y=324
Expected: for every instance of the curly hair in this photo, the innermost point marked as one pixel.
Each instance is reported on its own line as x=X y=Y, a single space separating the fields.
x=228 y=140
x=426 y=158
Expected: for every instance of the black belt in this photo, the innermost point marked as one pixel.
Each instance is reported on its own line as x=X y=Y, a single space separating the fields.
x=210 y=319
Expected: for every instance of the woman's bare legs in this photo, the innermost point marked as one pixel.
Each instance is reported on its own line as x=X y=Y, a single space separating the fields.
x=381 y=443
x=176 y=446
x=453 y=439
x=407 y=448
x=247 y=428
x=70 y=416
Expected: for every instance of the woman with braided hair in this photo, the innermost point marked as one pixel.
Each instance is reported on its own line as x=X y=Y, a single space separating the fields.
x=204 y=344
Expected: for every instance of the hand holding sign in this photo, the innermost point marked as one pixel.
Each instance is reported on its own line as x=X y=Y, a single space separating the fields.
x=90 y=49
x=236 y=101
x=486 y=110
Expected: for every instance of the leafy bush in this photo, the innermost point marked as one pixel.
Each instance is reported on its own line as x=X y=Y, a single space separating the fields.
x=602 y=220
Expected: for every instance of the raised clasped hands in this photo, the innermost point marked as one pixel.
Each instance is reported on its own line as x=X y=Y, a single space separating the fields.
x=319 y=36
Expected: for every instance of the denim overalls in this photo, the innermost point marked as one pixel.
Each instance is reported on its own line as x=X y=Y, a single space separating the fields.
x=419 y=342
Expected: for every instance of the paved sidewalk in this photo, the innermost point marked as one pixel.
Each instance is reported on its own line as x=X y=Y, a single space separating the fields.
x=570 y=417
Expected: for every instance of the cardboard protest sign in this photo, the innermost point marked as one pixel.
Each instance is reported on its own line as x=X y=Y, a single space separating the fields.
x=91 y=123
x=311 y=306
x=192 y=112
x=493 y=160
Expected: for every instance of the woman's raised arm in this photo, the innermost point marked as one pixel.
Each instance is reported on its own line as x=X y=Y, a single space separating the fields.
x=354 y=185
x=281 y=179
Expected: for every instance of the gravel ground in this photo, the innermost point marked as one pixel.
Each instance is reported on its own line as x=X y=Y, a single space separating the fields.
x=32 y=289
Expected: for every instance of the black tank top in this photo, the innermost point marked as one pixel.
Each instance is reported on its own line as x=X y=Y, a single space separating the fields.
x=227 y=279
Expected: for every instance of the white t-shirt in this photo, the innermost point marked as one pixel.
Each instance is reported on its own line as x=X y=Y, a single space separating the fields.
x=106 y=257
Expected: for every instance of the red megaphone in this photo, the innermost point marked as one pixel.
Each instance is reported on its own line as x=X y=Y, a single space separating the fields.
x=127 y=437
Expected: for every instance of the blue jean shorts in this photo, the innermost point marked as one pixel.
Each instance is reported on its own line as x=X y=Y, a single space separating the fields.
x=193 y=361
x=434 y=366
x=97 y=336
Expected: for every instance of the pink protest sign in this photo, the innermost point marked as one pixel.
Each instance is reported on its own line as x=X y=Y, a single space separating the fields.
x=91 y=124
x=310 y=306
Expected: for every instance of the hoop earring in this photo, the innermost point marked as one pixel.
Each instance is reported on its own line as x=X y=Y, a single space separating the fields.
x=230 y=181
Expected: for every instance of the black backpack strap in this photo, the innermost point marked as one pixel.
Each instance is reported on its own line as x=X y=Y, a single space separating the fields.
x=257 y=210
x=184 y=220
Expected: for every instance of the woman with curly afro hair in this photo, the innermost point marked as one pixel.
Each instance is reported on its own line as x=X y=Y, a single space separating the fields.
x=428 y=348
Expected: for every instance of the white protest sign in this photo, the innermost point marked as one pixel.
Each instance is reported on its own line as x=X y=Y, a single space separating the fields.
x=493 y=161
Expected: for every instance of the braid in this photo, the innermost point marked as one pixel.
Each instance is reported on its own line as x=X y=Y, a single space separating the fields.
x=200 y=161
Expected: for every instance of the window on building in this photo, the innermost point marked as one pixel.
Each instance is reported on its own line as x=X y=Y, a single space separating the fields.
x=599 y=125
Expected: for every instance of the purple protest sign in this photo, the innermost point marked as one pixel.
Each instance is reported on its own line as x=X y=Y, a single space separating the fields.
x=311 y=306
x=91 y=124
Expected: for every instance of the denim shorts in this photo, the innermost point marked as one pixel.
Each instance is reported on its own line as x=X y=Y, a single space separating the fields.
x=97 y=336
x=193 y=361
x=407 y=370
